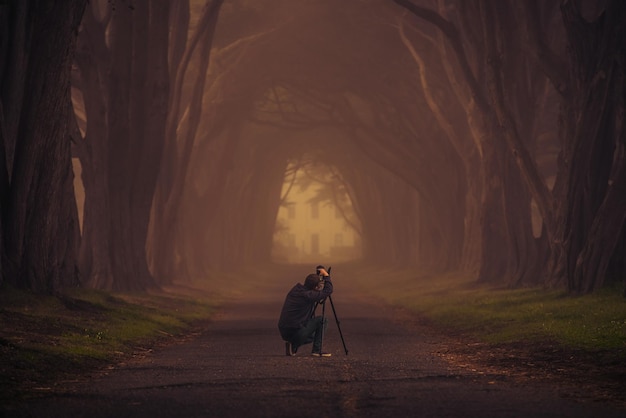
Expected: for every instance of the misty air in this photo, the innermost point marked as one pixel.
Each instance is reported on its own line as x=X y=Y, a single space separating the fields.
x=312 y=208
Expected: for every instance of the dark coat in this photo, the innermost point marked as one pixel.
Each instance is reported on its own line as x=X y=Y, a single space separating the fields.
x=299 y=306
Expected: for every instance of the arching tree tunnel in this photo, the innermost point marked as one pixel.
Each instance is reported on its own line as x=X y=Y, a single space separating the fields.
x=443 y=119
x=341 y=95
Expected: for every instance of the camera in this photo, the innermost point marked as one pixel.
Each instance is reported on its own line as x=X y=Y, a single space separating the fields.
x=318 y=268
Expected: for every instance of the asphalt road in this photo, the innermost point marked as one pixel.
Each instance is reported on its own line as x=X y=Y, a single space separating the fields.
x=237 y=368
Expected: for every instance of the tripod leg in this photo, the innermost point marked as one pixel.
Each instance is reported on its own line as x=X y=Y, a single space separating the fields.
x=332 y=305
x=322 y=330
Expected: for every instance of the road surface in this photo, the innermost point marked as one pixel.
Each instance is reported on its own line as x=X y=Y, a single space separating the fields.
x=236 y=367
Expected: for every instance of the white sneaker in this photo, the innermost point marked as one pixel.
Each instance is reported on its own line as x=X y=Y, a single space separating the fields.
x=322 y=354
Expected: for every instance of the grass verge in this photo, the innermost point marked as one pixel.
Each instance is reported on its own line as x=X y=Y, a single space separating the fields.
x=46 y=339
x=503 y=316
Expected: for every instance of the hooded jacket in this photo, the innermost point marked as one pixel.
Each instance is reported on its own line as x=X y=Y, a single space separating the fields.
x=299 y=307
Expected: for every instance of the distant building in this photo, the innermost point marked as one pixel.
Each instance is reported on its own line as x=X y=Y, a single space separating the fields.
x=313 y=232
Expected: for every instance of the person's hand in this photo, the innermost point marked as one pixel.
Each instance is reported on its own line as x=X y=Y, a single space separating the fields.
x=323 y=272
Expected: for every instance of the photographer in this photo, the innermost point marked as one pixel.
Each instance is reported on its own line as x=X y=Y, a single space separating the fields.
x=297 y=323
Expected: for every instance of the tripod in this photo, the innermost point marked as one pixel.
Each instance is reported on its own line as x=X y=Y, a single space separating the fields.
x=332 y=305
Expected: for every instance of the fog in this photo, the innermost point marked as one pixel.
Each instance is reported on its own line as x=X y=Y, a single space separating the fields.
x=290 y=131
x=316 y=220
x=325 y=131
x=330 y=92
x=222 y=148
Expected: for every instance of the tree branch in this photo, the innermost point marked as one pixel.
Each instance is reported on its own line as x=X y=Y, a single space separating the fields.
x=452 y=34
x=551 y=64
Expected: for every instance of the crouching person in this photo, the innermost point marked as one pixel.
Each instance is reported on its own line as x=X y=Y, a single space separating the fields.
x=298 y=324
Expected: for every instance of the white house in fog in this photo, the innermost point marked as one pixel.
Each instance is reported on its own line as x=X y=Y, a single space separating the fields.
x=313 y=232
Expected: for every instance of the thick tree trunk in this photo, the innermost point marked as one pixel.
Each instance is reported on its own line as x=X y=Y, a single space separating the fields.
x=176 y=158
x=39 y=219
x=92 y=58
x=523 y=262
x=594 y=215
x=604 y=233
x=471 y=253
x=494 y=234
x=152 y=82
x=616 y=271
x=120 y=162
x=14 y=16
x=484 y=75
x=125 y=86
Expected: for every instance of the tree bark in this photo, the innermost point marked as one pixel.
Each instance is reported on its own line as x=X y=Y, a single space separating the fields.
x=92 y=59
x=491 y=119
x=177 y=157
x=594 y=216
x=39 y=217
x=125 y=86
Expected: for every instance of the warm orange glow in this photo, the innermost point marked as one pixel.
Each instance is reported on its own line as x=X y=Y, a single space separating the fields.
x=309 y=229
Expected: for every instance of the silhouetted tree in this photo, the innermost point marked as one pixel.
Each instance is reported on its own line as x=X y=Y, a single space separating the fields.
x=574 y=219
x=507 y=248
x=124 y=80
x=594 y=143
x=183 y=122
x=584 y=214
x=38 y=222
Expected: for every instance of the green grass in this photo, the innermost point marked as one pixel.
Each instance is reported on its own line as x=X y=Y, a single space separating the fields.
x=42 y=338
x=456 y=302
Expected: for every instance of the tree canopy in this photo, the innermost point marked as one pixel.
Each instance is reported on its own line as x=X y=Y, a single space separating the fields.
x=481 y=136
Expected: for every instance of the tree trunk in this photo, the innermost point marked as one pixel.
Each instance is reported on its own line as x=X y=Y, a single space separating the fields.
x=152 y=103
x=389 y=217
x=15 y=52
x=214 y=163
x=125 y=86
x=176 y=158
x=483 y=71
x=594 y=215
x=616 y=271
x=92 y=58
x=39 y=219
x=494 y=234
